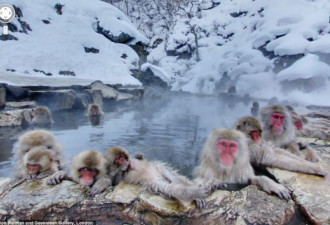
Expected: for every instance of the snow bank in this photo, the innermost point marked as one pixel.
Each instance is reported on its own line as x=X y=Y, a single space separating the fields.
x=60 y=45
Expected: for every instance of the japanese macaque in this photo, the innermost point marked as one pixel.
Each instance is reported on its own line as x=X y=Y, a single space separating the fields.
x=312 y=131
x=278 y=128
x=89 y=169
x=225 y=159
x=255 y=108
x=39 y=138
x=154 y=176
x=94 y=110
x=41 y=116
x=38 y=163
x=266 y=154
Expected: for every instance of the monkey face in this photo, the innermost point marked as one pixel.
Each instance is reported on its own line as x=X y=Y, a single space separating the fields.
x=88 y=176
x=227 y=150
x=121 y=159
x=298 y=124
x=277 y=122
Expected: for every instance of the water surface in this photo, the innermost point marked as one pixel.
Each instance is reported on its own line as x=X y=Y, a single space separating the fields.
x=171 y=128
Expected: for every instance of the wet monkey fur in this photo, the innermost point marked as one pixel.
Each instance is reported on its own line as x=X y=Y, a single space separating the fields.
x=225 y=159
x=278 y=128
x=266 y=154
x=154 y=176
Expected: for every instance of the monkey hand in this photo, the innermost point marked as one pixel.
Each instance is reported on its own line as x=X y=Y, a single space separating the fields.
x=200 y=203
x=311 y=155
x=125 y=166
x=56 y=178
x=218 y=185
x=99 y=186
x=139 y=156
x=31 y=176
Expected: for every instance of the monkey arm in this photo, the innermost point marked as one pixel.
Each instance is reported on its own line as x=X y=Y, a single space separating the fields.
x=100 y=185
x=269 y=186
x=57 y=178
x=287 y=161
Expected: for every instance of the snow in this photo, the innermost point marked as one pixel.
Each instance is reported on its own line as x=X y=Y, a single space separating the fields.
x=59 y=46
x=304 y=68
x=162 y=74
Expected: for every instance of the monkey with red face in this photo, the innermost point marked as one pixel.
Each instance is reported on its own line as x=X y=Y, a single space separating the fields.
x=278 y=128
x=225 y=159
x=266 y=154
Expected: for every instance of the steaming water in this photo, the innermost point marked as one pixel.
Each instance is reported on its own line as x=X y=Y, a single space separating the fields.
x=171 y=128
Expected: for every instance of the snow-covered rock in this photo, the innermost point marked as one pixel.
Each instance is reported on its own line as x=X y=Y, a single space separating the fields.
x=62 y=37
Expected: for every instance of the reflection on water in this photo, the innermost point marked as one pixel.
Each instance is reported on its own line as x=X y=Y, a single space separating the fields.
x=172 y=129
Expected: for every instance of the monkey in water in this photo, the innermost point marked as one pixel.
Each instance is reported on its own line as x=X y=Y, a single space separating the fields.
x=225 y=159
x=266 y=154
x=39 y=138
x=38 y=163
x=255 y=108
x=94 y=113
x=278 y=128
x=88 y=168
x=153 y=176
x=41 y=115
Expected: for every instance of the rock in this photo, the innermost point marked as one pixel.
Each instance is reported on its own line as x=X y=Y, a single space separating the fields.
x=110 y=93
x=311 y=193
x=121 y=38
x=16 y=117
x=2 y=97
x=97 y=96
x=137 y=92
x=55 y=99
x=21 y=105
x=16 y=93
x=35 y=200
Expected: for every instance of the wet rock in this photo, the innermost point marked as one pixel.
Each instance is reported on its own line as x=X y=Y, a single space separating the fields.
x=16 y=117
x=55 y=99
x=137 y=92
x=2 y=97
x=97 y=96
x=110 y=93
x=86 y=97
x=21 y=105
x=35 y=200
x=311 y=193
x=16 y=93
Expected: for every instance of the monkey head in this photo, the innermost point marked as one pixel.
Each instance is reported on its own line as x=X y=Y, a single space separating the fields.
x=276 y=118
x=87 y=167
x=36 y=138
x=297 y=121
x=226 y=147
x=39 y=159
x=250 y=126
x=94 y=110
x=117 y=155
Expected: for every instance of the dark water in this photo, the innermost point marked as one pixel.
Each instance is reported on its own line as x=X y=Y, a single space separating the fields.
x=171 y=128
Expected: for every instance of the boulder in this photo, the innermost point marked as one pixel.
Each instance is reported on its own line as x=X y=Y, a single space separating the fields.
x=109 y=93
x=311 y=193
x=16 y=117
x=55 y=99
x=35 y=200
x=21 y=105
x=2 y=97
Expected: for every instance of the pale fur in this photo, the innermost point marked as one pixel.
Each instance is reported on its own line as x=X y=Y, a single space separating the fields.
x=212 y=172
x=37 y=138
x=266 y=154
x=42 y=115
x=96 y=159
x=157 y=177
x=91 y=106
x=42 y=156
x=287 y=139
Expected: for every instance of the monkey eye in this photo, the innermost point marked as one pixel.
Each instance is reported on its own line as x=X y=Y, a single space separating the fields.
x=49 y=146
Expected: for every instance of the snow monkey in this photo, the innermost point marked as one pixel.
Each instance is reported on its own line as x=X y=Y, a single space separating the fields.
x=94 y=110
x=38 y=163
x=89 y=169
x=154 y=176
x=318 y=130
x=41 y=116
x=37 y=139
x=225 y=159
x=277 y=127
x=255 y=108
x=266 y=154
